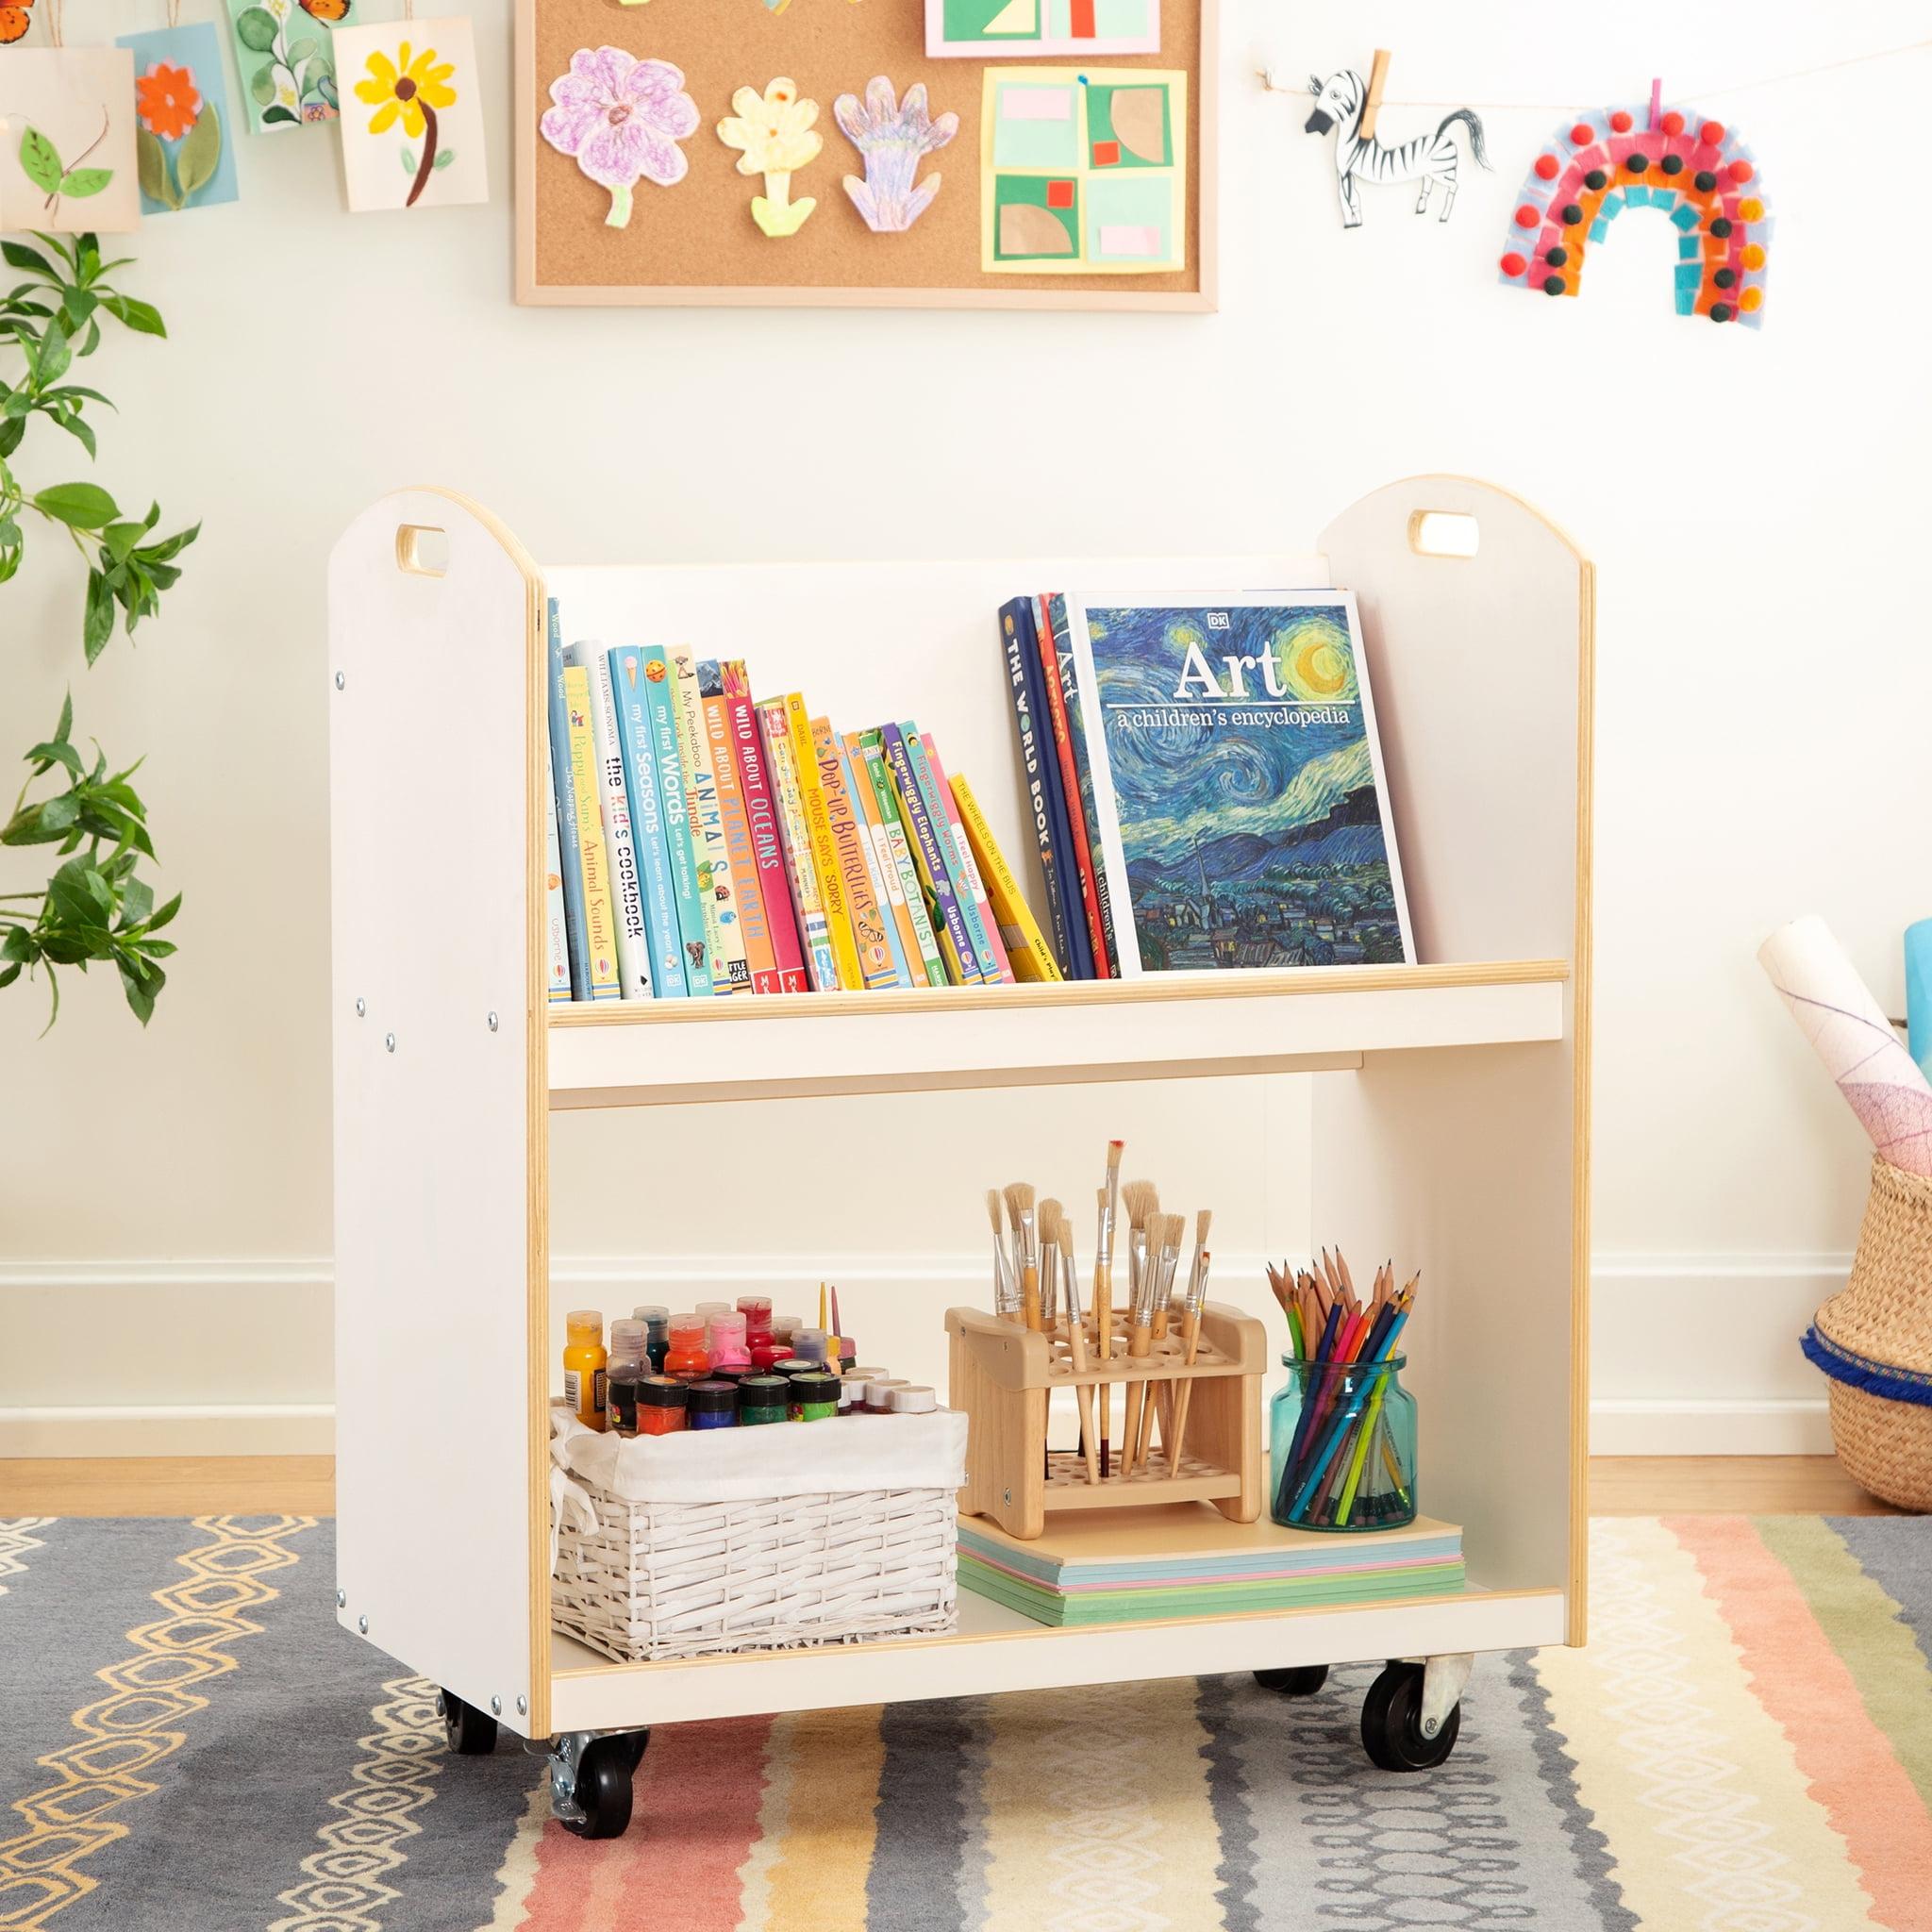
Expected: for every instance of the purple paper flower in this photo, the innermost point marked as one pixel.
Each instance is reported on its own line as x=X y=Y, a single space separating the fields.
x=621 y=119
x=894 y=136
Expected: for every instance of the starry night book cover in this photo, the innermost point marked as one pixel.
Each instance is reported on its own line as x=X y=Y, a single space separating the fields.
x=1243 y=813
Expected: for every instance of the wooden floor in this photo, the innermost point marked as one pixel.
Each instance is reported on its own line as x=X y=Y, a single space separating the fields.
x=304 y=1485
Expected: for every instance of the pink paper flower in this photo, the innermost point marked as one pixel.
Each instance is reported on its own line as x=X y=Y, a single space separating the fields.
x=621 y=119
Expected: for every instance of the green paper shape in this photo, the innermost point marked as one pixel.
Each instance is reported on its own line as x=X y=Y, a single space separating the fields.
x=40 y=161
x=150 y=167
x=1019 y=142
x=79 y=183
x=1100 y=125
x=1030 y=190
x=255 y=30
x=201 y=153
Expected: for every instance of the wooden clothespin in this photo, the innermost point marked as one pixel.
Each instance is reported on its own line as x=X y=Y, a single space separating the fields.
x=1378 y=75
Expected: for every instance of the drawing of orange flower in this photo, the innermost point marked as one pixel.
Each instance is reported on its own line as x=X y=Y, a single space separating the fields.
x=167 y=101
x=403 y=88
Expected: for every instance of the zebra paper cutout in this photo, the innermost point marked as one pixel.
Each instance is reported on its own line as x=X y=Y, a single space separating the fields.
x=1430 y=159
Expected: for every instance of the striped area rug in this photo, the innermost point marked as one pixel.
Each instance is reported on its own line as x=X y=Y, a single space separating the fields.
x=187 y=1741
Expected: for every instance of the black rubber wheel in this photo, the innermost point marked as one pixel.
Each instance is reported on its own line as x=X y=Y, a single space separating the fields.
x=1391 y=1722
x=471 y=1733
x=1302 y=1680
x=602 y=1790
x=631 y=1743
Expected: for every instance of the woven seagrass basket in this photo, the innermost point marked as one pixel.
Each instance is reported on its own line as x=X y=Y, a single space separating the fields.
x=1875 y=1343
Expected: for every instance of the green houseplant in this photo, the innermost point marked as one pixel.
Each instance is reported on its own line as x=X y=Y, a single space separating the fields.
x=95 y=908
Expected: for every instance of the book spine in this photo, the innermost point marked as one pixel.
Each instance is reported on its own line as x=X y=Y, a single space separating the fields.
x=613 y=807
x=814 y=929
x=859 y=793
x=646 y=793
x=1052 y=678
x=730 y=973
x=925 y=940
x=824 y=848
x=675 y=799
x=1107 y=818
x=1016 y=638
x=556 y=927
x=563 y=789
x=955 y=946
x=1026 y=948
x=983 y=965
x=1066 y=874
x=759 y=958
x=599 y=933
x=761 y=816
x=1061 y=621
x=887 y=881
x=968 y=870
x=874 y=953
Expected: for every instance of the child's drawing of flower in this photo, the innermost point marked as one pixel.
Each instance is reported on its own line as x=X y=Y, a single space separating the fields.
x=620 y=120
x=168 y=100
x=411 y=92
x=773 y=132
x=169 y=107
x=893 y=135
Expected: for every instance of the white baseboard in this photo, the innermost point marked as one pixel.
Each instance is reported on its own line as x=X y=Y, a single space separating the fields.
x=1692 y=1355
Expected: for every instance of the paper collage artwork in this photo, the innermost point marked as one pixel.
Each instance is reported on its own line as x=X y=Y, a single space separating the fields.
x=774 y=134
x=412 y=123
x=1083 y=172
x=184 y=133
x=1058 y=28
x=282 y=54
x=67 y=140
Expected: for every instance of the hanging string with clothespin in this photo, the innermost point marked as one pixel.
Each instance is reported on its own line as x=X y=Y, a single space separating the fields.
x=1378 y=75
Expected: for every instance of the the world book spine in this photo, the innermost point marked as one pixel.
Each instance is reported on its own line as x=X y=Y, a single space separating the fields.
x=1016 y=640
x=759 y=958
x=646 y=793
x=814 y=930
x=761 y=817
x=613 y=806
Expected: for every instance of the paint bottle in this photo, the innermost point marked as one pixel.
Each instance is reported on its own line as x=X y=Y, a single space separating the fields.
x=711 y=1405
x=628 y=1366
x=878 y=1394
x=709 y=1309
x=810 y=1344
x=763 y=1399
x=760 y=1343
x=794 y=1365
x=685 y=1355
x=661 y=1406
x=913 y=1398
x=656 y=1320
x=584 y=1364
x=725 y=1342
x=784 y=1326
x=814 y=1398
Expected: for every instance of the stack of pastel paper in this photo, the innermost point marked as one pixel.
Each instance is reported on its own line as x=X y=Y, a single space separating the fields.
x=1185 y=1560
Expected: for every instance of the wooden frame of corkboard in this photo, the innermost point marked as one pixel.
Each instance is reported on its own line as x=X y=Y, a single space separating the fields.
x=696 y=246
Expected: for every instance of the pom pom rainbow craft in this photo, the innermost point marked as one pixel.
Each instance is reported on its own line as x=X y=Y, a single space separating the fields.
x=1696 y=170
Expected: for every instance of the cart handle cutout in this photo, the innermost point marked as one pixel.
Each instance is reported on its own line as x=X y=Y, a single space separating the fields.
x=1443 y=533
x=422 y=550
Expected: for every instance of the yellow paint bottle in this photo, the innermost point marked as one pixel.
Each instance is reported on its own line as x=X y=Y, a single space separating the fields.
x=584 y=1362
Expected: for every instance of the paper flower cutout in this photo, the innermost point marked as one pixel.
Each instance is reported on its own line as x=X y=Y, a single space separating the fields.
x=167 y=100
x=620 y=120
x=773 y=133
x=894 y=137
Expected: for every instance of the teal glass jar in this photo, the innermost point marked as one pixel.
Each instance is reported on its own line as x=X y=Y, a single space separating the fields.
x=1341 y=1446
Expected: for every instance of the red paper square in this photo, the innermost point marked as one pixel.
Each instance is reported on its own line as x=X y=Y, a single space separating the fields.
x=1106 y=154
x=1059 y=195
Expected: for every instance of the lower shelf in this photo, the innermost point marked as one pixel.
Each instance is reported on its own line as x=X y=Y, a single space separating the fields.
x=996 y=1649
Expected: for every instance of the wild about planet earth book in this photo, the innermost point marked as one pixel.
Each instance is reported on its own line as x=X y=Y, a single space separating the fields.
x=1243 y=813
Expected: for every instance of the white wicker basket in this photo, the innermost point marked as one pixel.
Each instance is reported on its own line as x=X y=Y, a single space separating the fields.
x=682 y=1563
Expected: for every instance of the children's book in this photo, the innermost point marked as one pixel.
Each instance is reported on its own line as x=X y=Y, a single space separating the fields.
x=928 y=857
x=824 y=848
x=730 y=971
x=660 y=708
x=631 y=671
x=1026 y=948
x=762 y=815
x=1040 y=773
x=759 y=958
x=1243 y=813
x=875 y=952
x=600 y=932
x=614 y=804
x=972 y=888
x=870 y=845
x=556 y=927
x=982 y=964
x=885 y=874
x=795 y=837
x=1077 y=777
x=563 y=789
x=918 y=914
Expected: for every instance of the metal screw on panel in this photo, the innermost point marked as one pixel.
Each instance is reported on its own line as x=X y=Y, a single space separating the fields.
x=362 y=1007
x=342 y=1599
x=1006 y=1497
x=496 y=1706
x=1431 y=1726
x=341 y=682
x=388 y=1040
x=493 y=1023
x=522 y=1707
x=362 y=1624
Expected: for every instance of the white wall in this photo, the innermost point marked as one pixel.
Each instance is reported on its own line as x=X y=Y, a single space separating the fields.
x=1757 y=503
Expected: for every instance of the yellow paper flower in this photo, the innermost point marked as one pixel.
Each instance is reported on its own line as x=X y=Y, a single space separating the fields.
x=401 y=89
x=771 y=130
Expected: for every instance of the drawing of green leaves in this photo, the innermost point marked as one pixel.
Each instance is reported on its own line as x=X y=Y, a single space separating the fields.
x=40 y=159
x=445 y=159
x=255 y=30
x=200 y=155
x=410 y=162
x=273 y=114
x=77 y=183
x=262 y=87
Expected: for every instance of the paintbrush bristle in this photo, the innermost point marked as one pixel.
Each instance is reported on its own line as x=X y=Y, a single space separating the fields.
x=1142 y=1200
x=1019 y=1197
x=1049 y=1224
x=996 y=1213
x=1203 y=1222
x=1114 y=1150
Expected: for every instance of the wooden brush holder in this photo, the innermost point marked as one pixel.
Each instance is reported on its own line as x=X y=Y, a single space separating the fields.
x=1003 y=1376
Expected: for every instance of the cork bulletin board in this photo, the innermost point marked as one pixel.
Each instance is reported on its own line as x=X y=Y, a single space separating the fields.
x=695 y=242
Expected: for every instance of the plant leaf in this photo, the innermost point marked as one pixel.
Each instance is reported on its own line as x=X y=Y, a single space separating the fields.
x=201 y=154
x=142 y=317
x=18 y=255
x=150 y=167
x=277 y=114
x=81 y=505
x=255 y=30
x=81 y=182
x=97 y=626
x=40 y=159
x=51 y=361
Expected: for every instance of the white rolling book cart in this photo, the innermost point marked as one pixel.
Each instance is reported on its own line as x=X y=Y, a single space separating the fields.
x=1450 y=1107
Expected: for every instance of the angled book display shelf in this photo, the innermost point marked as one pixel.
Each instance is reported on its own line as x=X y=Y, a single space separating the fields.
x=1450 y=1114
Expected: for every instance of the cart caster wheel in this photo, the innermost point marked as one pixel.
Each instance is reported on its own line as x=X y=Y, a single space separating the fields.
x=631 y=1744
x=1391 y=1722
x=1301 y=1680
x=471 y=1733
x=602 y=1790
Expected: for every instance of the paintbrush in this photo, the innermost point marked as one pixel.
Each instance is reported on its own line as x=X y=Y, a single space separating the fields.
x=1204 y=1220
x=1190 y=1327
x=1050 y=1219
x=1076 y=1347
x=1026 y=1247
x=1109 y=1204
x=1164 y=1232
x=1006 y=1283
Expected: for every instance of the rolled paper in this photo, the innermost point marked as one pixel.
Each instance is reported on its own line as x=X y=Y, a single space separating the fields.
x=1849 y=1032
x=1919 y=993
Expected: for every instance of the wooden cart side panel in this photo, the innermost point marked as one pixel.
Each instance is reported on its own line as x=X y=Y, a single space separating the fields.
x=440 y=1114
